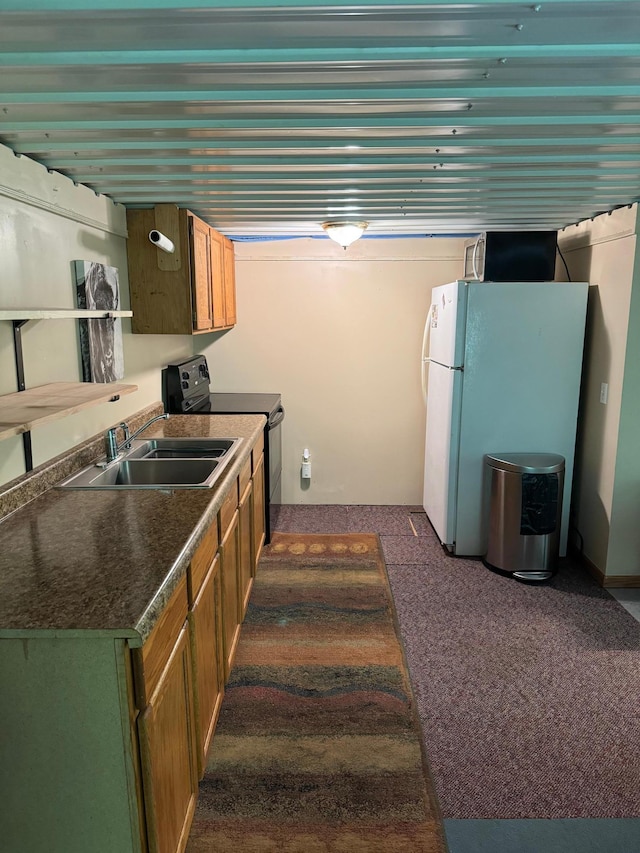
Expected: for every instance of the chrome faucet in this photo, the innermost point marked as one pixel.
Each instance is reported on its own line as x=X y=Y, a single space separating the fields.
x=111 y=440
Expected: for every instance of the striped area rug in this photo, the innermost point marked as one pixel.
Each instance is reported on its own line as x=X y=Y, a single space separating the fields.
x=318 y=748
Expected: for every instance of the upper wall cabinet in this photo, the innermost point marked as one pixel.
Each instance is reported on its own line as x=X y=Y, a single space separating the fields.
x=189 y=291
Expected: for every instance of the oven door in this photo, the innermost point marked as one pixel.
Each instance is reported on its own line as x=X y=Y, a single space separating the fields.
x=274 y=428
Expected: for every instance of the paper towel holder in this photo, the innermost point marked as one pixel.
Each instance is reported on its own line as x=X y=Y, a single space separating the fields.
x=161 y=242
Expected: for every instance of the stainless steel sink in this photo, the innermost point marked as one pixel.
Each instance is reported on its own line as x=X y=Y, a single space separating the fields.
x=184 y=448
x=160 y=463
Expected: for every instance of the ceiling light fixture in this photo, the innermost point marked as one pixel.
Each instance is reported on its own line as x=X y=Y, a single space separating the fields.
x=345 y=233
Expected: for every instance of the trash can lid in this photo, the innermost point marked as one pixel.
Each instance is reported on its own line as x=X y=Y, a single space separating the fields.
x=526 y=463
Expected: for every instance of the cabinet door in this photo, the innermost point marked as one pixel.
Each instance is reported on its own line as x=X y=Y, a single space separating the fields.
x=229 y=554
x=246 y=549
x=161 y=299
x=166 y=729
x=205 y=623
x=216 y=248
x=229 y=282
x=201 y=275
x=257 y=511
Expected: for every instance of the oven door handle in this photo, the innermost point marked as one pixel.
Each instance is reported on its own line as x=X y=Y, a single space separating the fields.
x=276 y=418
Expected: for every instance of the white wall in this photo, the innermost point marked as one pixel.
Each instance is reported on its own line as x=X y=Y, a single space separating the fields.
x=606 y=497
x=45 y=223
x=338 y=334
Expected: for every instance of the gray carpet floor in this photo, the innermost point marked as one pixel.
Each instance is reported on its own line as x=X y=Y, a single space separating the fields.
x=527 y=695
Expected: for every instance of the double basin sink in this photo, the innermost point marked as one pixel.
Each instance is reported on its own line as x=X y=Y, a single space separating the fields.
x=160 y=463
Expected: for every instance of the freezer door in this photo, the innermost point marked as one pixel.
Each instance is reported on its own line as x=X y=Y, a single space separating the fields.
x=441 y=450
x=447 y=321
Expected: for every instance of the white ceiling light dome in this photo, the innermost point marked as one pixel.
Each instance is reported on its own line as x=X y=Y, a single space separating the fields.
x=345 y=233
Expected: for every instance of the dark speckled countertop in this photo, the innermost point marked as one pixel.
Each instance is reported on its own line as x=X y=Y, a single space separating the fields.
x=107 y=561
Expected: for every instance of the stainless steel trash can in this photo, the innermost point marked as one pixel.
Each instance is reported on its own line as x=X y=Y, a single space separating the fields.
x=525 y=510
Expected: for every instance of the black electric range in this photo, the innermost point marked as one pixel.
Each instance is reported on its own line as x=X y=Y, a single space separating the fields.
x=186 y=391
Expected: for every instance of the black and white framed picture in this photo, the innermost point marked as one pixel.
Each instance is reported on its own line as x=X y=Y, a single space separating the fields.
x=101 y=350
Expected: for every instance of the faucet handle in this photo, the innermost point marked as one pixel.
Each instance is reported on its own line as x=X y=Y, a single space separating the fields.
x=124 y=426
x=111 y=445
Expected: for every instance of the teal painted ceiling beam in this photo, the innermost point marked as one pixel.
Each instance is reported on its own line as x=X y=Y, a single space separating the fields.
x=347 y=5
x=336 y=94
x=434 y=223
x=306 y=55
x=335 y=147
x=513 y=191
x=327 y=208
x=406 y=177
x=378 y=192
x=458 y=193
x=322 y=175
x=267 y=115
x=356 y=161
x=379 y=137
x=302 y=123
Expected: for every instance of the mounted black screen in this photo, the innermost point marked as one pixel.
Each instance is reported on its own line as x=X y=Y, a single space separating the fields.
x=520 y=255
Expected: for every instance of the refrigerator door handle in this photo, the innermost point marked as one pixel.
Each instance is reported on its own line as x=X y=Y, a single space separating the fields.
x=446 y=366
x=425 y=360
x=474 y=260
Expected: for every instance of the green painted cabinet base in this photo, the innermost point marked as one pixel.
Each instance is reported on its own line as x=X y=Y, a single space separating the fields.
x=67 y=767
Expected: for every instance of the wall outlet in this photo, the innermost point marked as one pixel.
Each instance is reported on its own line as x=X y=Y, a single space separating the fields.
x=604 y=392
x=306 y=464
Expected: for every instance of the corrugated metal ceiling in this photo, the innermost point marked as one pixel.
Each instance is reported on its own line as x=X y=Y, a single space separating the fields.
x=268 y=118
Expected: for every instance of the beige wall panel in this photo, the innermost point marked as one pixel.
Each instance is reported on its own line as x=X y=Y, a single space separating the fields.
x=624 y=541
x=46 y=223
x=338 y=334
x=601 y=251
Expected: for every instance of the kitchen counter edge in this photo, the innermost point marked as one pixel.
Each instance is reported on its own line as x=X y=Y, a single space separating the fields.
x=199 y=506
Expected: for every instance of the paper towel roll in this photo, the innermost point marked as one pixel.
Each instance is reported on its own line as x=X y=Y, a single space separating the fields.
x=162 y=242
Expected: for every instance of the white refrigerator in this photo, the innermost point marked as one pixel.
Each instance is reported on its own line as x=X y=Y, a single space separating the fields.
x=502 y=364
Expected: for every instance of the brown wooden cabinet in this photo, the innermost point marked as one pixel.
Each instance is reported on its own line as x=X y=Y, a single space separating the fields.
x=257 y=511
x=200 y=275
x=166 y=732
x=154 y=708
x=229 y=556
x=188 y=292
x=246 y=558
x=229 y=282
x=223 y=280
x=205 y=623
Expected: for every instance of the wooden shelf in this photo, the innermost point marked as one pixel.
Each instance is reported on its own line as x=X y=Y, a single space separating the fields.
x=22 y=411
x=57 y=313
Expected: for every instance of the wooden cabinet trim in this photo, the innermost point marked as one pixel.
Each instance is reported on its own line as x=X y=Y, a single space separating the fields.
x=257 y=452
x=228 y=509
x=200 y=274
x=229 y=555
x=207 y=660
x=246 y=557
x=244 y=476
x=201 y=561
x=156 y=650
x=258 y=512
x=152 y=762
x=216 y=249
x=229 y=282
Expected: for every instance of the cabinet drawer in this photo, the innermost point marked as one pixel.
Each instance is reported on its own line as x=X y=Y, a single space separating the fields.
x=201 y=561
x=228 y=508
x=256 y=453
x=245 y=476
x=157 y=649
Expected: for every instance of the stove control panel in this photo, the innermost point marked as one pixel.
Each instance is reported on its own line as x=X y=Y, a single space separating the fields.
x=186 y=385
